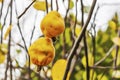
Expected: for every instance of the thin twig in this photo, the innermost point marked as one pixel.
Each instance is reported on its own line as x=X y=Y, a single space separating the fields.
x=78 y=40
x=9 y=48
x=64 y=39
x=116 y=55
x=9 y=42
x=20 y=28
x=46 y=5
x=100 y=67
x=7 y=66
x=4 y=23
x=8 y=55
x=23 y=40
x=85 y=44
x=51 y=5
x=107 y=54
x=82 y=11
x=33 y=29
x=94 y=35
x=57 y=5
x=1 y=9
x=75 y=59
x=25 y=10
x=86 y=55
x=67 y=10
x=103 y=74
x=75 y=18
x=93 y=25
x=103 y=67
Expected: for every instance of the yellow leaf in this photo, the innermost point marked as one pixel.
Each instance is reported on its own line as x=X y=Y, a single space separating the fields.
x=90 y=60
x=40 y=5
x=113 y=53
x=112 y=25
x=3 y=48
x=116 y=74
x=116 y=40
x=78 y=30
x=2 y=58
x=100 y=77
x=91 y=75
x=8 y=31
x=58 y=70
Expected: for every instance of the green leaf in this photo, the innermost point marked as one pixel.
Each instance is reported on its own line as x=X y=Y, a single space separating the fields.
x=35 y=78
x=78 y=75
x=112 y=25
x=32 y=74
x=71 y=4
x=67 y=37
x=18 y=51
x=90 y=60
x=0 y=26
x=61 y=39
x=91 y=71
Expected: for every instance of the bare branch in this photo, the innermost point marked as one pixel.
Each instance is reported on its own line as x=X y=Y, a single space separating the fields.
x=23 y=40
x=107 y=54
x=116 y=56
x=33 y=30
x=57 y=5
x=9 y=42
x=4 y=23
x=1 y=9
x=85 y=44
x=25 y=10
x=46 y=6
x=78 y=40
x=51 y=5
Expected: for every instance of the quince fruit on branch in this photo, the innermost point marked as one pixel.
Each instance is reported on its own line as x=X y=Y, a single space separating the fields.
x=42 y=51
x=52 y=24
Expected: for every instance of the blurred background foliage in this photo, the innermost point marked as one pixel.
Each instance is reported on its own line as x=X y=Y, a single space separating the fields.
x=102 y=50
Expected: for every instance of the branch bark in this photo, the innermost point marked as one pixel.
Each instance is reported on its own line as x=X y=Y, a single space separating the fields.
x=46 y=5
x=78 y=40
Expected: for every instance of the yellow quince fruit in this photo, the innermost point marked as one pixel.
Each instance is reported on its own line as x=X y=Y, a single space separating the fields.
x=52 y=24
x=42 y=51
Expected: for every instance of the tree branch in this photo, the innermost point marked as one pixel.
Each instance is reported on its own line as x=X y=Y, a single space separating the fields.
x=4 y=23
x=33 y=30
x=51 y=5
x=116 y=55
x=78 y=40
x=107 y=54
x=57 y=5
x=64 y=39
x=85 y=43
x=25 y=10
x=23 y=40
x=46 y=5
x=9 y=42
x=1 y=9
